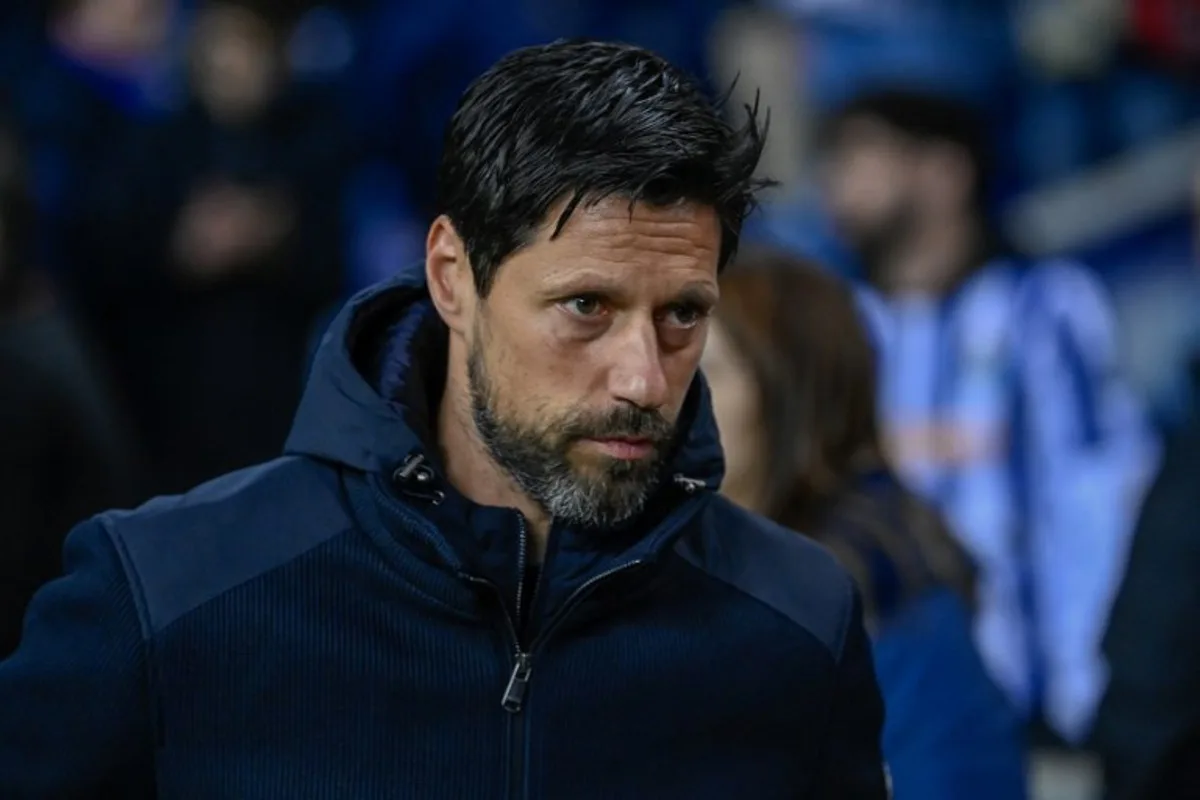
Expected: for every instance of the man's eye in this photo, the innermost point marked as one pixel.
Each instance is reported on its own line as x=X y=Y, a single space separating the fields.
x=585 y=305
x=685 y=315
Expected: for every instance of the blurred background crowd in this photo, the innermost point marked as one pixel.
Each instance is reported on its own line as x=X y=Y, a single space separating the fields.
x=188 y=188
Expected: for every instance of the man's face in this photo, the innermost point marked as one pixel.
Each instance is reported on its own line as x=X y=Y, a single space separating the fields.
x=871 y=186
x=580 y=357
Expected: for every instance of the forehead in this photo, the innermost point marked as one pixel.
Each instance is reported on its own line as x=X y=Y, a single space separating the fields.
x=638 y=246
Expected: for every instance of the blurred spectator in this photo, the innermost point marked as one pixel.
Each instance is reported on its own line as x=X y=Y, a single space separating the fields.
x=77 y=74
x=210 y=243
x=1153 y=640
x=999 y=394
x=412 y=63
x=852 y=45
x=791 y=371
x=64 y=455
x=416 y=59
x=1148 y=727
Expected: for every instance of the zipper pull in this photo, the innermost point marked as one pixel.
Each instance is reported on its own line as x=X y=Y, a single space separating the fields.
x=690 y=485
x=514 y=693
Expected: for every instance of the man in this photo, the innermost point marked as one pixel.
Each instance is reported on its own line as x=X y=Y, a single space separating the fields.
x=998 y=393
x=492 y=563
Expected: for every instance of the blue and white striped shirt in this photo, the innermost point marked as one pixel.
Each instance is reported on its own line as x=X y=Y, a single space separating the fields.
x=1002 y=405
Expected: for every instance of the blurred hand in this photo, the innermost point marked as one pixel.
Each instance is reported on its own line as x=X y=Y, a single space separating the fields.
x=943 y=445
x=226 y=229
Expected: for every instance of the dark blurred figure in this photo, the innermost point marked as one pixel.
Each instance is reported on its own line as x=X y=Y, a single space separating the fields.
x=1000 y=396
x=78 y=73
x=1148 y=727
x=63 y=455
x=212 y=241
x=792 y=375
x=412 y=63
x=415 y=61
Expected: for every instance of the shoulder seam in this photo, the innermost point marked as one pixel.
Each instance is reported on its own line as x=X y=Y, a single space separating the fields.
x=834 y=657
x=130 y=575
x=295 y=556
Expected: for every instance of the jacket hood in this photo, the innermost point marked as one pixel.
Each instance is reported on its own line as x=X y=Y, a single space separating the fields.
x=367 y=402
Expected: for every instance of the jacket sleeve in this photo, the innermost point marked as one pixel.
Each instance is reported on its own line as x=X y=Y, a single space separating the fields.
x=1088 y=455
x=852 y=766
x=74 y=718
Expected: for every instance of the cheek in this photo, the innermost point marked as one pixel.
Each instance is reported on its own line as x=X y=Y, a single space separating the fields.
x=531 y=362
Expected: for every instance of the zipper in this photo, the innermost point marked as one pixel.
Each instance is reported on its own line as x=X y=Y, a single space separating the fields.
x=512 y=702
x=513 y=699
x=518 y=681
x=689 y=485
x=515 y=691
x=522 y=565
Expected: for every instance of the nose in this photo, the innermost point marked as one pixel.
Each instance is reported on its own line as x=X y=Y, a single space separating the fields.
x=637 y=375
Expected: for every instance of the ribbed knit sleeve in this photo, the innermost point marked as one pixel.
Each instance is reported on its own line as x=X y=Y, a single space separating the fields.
x=74 y=710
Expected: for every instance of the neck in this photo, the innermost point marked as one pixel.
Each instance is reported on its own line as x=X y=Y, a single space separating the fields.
x=934 y=256
x=469 y=466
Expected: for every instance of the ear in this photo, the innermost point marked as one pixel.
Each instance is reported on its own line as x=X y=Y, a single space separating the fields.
x=448 y=274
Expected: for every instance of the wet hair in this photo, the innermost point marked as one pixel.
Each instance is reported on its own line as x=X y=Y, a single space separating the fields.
x=579 y=121
x=925 y=117
x=813 y=360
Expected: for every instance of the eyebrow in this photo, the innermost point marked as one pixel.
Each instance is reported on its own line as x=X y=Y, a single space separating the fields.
x=582 y=282
x=699 y=293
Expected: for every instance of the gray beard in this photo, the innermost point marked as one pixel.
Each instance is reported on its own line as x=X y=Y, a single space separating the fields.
x=538 y=463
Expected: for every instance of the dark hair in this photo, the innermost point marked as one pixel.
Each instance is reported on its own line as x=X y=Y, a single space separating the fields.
x=924 y=117
x=813 y=360
x=580 y=121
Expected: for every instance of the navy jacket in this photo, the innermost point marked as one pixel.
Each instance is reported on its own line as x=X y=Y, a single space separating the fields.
x=341 y=623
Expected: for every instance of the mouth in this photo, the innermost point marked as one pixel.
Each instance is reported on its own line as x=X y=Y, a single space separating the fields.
x=625 y=448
